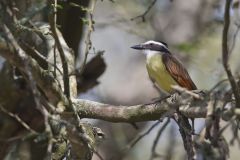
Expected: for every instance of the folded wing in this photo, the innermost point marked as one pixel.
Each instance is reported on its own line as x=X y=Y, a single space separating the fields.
x=178 y=72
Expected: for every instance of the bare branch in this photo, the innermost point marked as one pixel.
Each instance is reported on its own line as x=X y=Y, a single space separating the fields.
x=140 y=136
x=153 y=150
x=170 y=148
x=39 y=57
x=52 y=21
x=122 y=113
x=19 y=120
x=191 y=93
x=234 y=38
x=217 y=85
x=88 y=42
x=142 y=16
x=225 y=53
x=98 y=155
x=138 y=113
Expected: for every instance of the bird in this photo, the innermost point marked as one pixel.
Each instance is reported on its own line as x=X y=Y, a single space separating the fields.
x=164 y=69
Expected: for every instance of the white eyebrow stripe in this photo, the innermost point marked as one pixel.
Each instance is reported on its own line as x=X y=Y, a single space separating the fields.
x=154 y=42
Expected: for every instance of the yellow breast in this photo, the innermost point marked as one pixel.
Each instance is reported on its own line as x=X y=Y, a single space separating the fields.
x=158 y=73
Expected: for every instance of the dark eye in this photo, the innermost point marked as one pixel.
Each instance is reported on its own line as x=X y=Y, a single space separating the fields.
x=151 y=44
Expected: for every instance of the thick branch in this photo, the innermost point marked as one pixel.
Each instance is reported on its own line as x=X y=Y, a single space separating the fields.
x=89 y=109
x=137 y=113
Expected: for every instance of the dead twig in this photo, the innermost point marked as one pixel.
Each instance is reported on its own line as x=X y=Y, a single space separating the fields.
x=98 y=155
x=226 y=125
x=19 y=120
x=154 y=154
x=225 y=53
x=142 y=16
x=53 y=25
x=88 y=42
x=216 y=85
x=141 y=135
x=40 y=58
x=234 y=38
x=184 y=90
x=131 y=144
x=171 y=144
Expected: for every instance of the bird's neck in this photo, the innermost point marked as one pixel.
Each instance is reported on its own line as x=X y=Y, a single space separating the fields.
x=150 y=53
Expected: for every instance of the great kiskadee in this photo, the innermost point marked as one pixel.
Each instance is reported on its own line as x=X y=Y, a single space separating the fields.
x=163 y=68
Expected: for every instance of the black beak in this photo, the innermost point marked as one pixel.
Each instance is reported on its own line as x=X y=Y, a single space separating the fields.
x=138 y=47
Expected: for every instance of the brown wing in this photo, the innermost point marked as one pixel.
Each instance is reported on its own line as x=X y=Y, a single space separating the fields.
x=178 y=72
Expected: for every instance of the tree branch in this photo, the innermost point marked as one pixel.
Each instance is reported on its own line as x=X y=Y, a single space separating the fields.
x=225 y=53
x=19 y=120
x=88 y=42
x=142 y=16
x=137 y=113
x=13 y=53
x=154 y=154
x=52 y=21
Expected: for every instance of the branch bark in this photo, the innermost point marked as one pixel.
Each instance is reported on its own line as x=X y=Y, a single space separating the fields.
x=136 y=113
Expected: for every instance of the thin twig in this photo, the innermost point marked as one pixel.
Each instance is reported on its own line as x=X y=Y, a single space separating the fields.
x=38 y=8
x=11 y=139
x=49 y=148
x=226 y=125
x=169 y=153
x=153 y=150
x=18 y=119
x=184 y=90
x=98 y=154
x=20 y=138
x=55 y=60
x=225 y=53
x=216 y=85
x=235 y=128
x=88 y=42
x=140 y=136
x=234 y=38
x=142 y=16
x=40 y=58
x=53 y=26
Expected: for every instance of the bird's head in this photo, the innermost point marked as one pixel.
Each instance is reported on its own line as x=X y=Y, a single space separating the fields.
x=152 y=47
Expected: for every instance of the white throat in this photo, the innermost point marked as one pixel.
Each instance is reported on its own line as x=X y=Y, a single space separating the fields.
x=150 y=53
